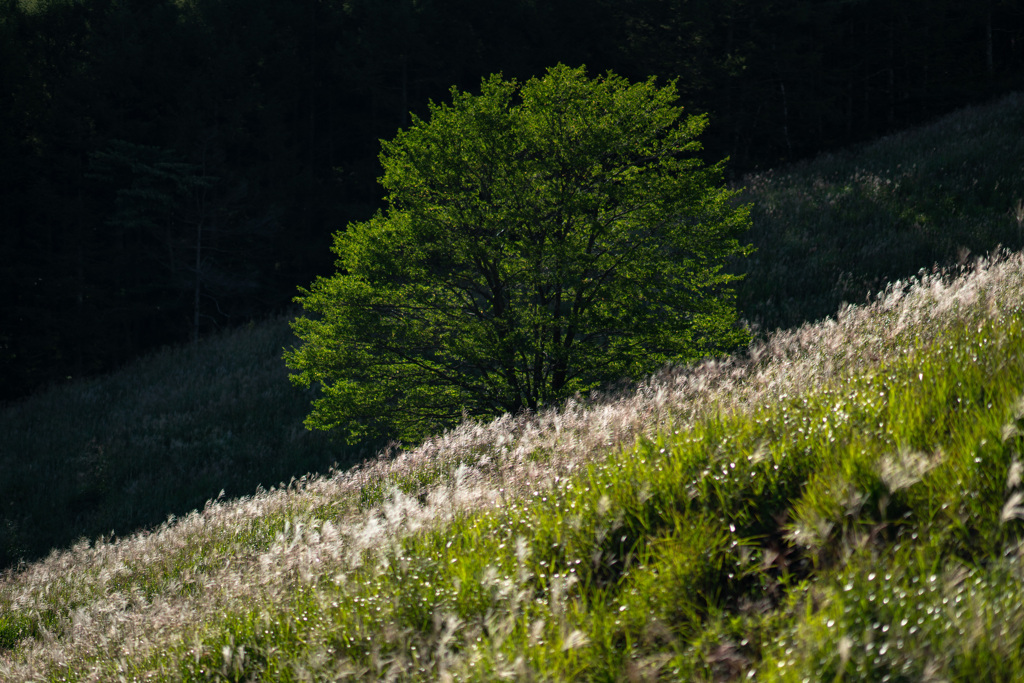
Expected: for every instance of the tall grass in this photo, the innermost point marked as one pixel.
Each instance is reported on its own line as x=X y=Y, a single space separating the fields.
x=842 y=503
x=845 y=502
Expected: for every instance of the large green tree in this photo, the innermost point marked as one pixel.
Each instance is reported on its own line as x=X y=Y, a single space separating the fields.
x=540 y=239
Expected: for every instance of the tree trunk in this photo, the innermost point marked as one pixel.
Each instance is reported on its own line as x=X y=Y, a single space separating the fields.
x=990 y=66
x=198 y=283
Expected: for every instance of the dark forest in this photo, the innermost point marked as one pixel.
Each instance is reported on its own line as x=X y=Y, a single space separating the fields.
x=173 y=167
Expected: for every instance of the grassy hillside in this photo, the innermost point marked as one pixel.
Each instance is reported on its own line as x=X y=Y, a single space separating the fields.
x=846 y=503
x=163 y=436
x=120 y=453
x=841 y=226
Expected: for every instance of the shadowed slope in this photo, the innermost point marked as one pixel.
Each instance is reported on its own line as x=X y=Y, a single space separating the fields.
x=839 y=227
x=162 y=436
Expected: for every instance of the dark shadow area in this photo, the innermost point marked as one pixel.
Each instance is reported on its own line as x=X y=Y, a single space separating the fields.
x=160 y=437
x=839 y=228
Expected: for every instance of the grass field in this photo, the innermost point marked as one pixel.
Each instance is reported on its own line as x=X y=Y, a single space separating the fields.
x=843 y=503
x=841 y=226
x=162 y=436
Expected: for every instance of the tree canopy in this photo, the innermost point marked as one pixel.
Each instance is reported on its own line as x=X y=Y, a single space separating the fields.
x=540 y=239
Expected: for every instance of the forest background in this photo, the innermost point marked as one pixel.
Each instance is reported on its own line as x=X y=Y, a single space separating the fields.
x=172 y=167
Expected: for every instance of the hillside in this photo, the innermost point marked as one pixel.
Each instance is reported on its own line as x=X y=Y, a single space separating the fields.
x=845 y=503
x=841 y=226
x=121 y=452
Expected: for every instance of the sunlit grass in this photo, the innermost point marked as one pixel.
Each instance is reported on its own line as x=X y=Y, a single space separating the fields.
x=844 y=503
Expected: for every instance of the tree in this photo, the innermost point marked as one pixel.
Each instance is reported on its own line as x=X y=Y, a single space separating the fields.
x=540 y=239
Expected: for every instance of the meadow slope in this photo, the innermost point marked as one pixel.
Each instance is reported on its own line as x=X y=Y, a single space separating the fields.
x=845 y=502
x=848 y=499
x=118 y=453
x=837 y=227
